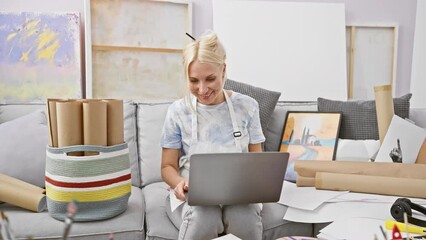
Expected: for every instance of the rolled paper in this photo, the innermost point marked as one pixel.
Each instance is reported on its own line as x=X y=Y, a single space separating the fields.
x=5 y=179
x=52 y=121
x=115 y=121
x=18 y=193
x=308 y=168
x=94 y=124
x=394 y=186
x=384 y=108
x=70 y=124
x=421 y=157
x=305 y=181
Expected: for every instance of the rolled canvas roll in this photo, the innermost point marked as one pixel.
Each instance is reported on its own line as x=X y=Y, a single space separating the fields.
x=94 y=124
x=70 y=124
x=384 y=108
x=115 y=122
x=52 y=121
x=5 y=179
x=21 y=194
x=371 y=184
x=421 y=157
x=305 y=181
x=308 y=168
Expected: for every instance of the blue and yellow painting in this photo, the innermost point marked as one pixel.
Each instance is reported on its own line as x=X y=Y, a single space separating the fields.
x=40 y=56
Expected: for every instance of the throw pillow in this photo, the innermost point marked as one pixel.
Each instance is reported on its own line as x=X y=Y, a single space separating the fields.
x=23 y=144
x=359 y=120
x=265 y=98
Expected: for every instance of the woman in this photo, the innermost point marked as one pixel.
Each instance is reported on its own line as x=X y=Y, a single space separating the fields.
x=208 y=119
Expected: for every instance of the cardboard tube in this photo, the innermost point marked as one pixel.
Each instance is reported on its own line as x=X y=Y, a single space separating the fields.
x=305 y=181
x=94 y=124
x=5 y=179
x=384 y=108
x=421 y=157
x=70 y=124
x=52 y=121
x=308 y=168
x=21 y=194
x=371 y=184
x=115 y=121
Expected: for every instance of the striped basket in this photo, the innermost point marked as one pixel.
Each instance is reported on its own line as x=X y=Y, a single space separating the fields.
x=101 y=184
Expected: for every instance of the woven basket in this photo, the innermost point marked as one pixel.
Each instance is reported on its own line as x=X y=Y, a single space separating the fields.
x=101 y=184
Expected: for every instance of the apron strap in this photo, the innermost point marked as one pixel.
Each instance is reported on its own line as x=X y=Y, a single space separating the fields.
x=236 y=132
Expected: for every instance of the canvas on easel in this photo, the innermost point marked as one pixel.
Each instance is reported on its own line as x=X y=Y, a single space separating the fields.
x=309 y=136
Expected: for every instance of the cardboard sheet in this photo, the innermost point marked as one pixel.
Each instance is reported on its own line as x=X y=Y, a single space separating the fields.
x=308 y=168
x=21 y=194
x=394 y=186
x=384 y=108
x=115 y=122
x=94 y=124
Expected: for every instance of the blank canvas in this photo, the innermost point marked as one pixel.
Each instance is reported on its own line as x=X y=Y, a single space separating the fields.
x=297 y=48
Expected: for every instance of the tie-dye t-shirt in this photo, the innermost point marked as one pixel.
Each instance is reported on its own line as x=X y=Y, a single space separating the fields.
x=214 y=124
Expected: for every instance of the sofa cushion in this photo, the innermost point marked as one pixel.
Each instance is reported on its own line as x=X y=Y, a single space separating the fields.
x=359 y=119
x=130 y=137
x=23 y=144
x=265 y=98
x=418 y=116
x=128 y=225
x=150 y=120
x=274 y=226
x=276 y=125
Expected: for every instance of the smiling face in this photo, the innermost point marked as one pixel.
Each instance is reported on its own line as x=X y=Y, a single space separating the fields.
x=206 y=82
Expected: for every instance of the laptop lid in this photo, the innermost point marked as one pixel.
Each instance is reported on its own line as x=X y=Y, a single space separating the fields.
x=236 y=178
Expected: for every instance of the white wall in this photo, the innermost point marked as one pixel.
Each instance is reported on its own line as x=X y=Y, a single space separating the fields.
x=402 y=12
x=418 y=76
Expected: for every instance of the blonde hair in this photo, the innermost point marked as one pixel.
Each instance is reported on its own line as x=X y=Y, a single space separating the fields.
x=206 y=49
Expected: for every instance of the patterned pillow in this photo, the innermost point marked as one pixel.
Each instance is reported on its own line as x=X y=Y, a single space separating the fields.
x=265 y=98
x=359 y=119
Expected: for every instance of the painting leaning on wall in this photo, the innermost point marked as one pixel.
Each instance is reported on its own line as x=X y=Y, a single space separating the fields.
x=40 y=56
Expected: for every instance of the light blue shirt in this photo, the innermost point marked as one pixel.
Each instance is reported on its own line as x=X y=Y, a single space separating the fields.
x=214 y=124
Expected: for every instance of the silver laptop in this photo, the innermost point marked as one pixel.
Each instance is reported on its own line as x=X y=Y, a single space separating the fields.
x=236 y=178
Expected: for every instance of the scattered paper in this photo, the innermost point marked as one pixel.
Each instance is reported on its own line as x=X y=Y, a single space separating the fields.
x=329 y=212
x=174 y=201
x=357 y=228
x=228 y=237
x=307 y=198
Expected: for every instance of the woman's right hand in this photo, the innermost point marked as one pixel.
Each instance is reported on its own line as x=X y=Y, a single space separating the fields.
x=181 y=188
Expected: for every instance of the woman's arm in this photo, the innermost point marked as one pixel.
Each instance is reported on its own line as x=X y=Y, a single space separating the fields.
x=170 y=172
x=255 y=147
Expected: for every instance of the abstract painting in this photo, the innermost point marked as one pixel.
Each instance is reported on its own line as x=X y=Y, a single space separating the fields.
x=309 y=136
x=40 y=56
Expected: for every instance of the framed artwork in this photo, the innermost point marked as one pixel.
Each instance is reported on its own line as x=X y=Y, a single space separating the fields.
x=40 y=56
x=309 y=136
x=136 y=49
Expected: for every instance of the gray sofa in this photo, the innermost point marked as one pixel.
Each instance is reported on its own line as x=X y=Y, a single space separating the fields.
x=145 y=217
